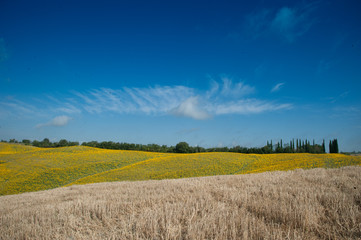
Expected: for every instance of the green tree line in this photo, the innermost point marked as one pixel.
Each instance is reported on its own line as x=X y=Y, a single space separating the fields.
x=294 y=146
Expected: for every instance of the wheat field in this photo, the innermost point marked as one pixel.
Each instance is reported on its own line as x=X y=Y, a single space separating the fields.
x=299 y=204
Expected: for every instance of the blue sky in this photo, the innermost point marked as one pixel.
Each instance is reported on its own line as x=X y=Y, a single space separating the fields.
x=211 y=73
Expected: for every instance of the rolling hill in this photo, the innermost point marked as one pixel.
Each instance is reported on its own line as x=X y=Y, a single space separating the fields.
x=26 y=168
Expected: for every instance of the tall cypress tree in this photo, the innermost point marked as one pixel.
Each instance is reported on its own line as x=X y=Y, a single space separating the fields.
x=335 y=146
x=303 y=145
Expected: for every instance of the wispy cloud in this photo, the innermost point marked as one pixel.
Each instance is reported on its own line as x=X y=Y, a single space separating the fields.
x=69 y=108
x=227 y=88
x=224 y=96
x=11 y=106
x=248 y=106
x=277 y=87
x=134 y=100
x=235 y=90
x=287 y=22
x=58 y=121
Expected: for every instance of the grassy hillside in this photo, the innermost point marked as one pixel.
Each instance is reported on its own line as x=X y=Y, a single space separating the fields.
x=301 y=204
x=25 y=168
x=208 y=164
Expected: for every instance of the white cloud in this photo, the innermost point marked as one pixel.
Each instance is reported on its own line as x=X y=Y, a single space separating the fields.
x=190 y=108
x=223 y=97
x=60 y=121
x=69 y=109
x=277 y=87
x=57 y=122
x=228 y=89
x=239 y=89
x=134 y=100
x=248 y=106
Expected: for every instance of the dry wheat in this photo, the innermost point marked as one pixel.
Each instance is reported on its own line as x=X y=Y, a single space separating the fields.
x=300 y=204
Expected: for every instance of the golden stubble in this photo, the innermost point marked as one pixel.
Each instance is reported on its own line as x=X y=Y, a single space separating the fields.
x=299 y=204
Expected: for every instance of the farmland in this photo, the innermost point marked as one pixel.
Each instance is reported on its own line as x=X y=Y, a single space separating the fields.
x=300 y=204
x=27 y=169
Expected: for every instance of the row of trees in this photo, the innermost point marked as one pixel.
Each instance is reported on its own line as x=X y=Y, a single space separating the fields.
x=297 y=146
x=294 y=146
x=45 y=143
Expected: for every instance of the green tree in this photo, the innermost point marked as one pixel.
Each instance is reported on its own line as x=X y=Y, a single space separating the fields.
x=45 y=143
x=62 y=143
x=182 y=147
x=333 y=146
x=26 y=142
x=36 y=143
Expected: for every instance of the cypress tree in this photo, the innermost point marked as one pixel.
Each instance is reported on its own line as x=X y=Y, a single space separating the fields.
x=334 y=146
